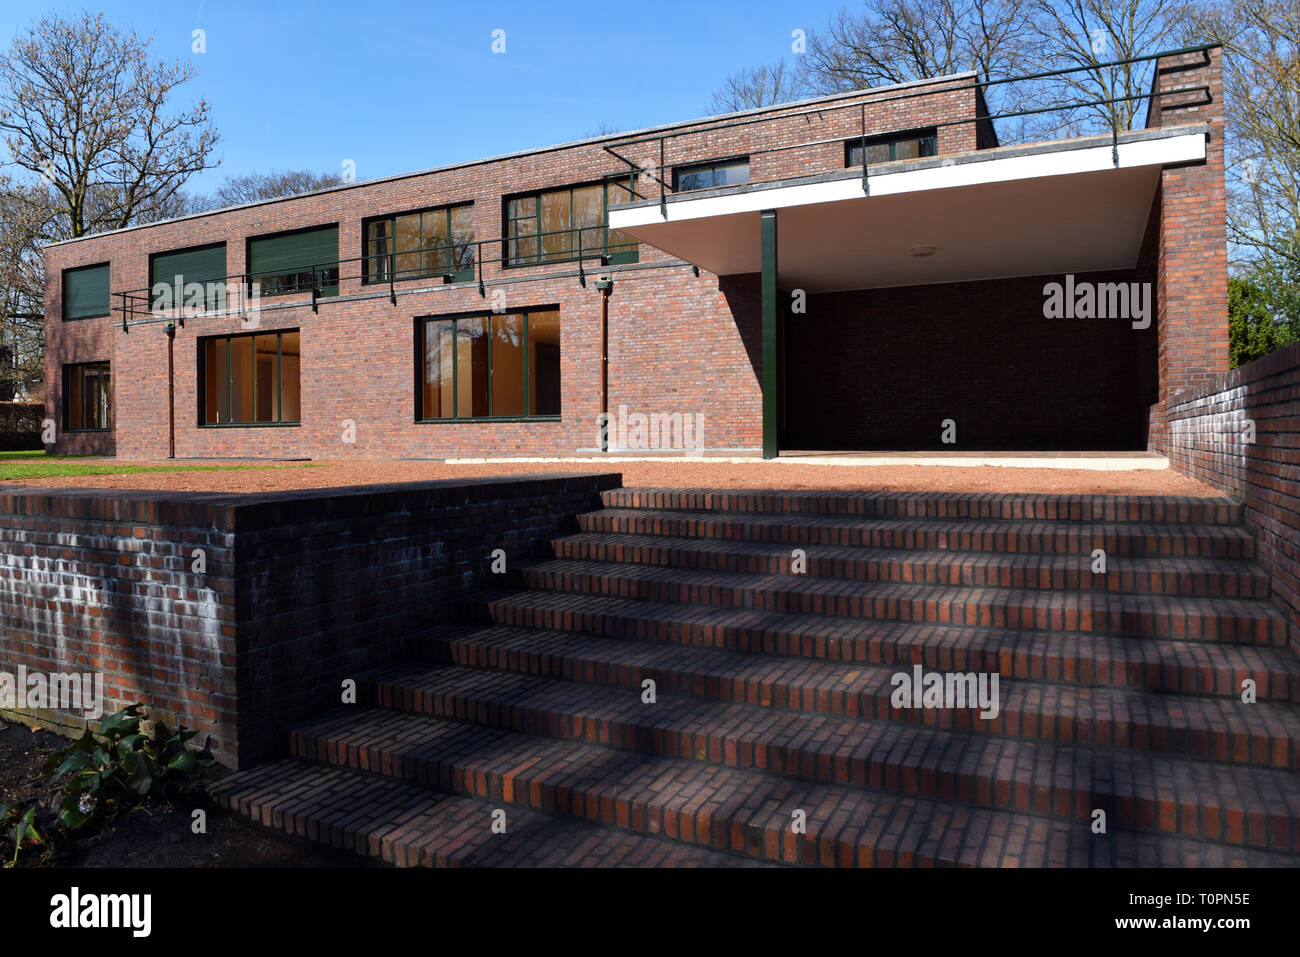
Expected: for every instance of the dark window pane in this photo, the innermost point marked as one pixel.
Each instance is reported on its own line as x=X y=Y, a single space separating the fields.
x=462 y=237
x=507 y=365
x=544 y=363
x=290 y=377
x=438 y=373
x=266 y=400
x=406 y=241
x=472 y=380
x=731 y=174
x=215 y=394
x=557 y=223
x=437 y=257
x=696 y=179
x=378 y=248
x=241 y=379
x=75 y=400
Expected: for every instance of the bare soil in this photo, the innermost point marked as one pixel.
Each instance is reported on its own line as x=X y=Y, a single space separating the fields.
x=758 y=474
x=160 y=836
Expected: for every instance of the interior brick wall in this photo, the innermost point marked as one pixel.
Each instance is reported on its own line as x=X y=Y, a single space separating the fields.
x=881 y=369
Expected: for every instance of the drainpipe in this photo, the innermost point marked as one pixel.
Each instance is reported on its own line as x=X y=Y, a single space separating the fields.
x=171 y=391
x=606 y=285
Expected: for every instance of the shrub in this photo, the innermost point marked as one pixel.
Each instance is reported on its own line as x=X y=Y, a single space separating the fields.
x=131 y=760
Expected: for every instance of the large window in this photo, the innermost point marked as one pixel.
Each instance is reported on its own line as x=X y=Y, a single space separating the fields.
x=489 y=366
x=87 y=397
x=85 y=292
x=896 y=146
x=296 y=262
x=567 y=223
x=711 y=175
x=250 y=379
x=432 y=242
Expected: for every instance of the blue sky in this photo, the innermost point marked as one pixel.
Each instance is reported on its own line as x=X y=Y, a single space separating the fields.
x=403 y=85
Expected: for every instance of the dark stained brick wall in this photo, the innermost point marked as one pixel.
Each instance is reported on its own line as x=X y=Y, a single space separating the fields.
x=881 y=369
x=301 y=589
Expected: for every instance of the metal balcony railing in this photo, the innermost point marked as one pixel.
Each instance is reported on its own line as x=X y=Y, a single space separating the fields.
x=660 y=172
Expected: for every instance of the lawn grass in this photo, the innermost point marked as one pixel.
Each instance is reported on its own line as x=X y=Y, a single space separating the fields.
x=42 y=466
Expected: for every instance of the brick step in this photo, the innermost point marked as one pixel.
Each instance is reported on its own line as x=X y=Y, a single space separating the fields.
x=1170 y=794
x=740 y=810
x=1180 y=510
x=1143 y=576
x=1157 y=665
x=1179 y=617
x=969 y=535
x=411 y=826
x=1263 y=734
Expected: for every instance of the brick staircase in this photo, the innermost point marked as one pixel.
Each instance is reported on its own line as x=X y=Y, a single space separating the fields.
x=1119 y=692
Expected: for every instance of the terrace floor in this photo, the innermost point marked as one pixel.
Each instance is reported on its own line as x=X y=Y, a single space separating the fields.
x=831 y=471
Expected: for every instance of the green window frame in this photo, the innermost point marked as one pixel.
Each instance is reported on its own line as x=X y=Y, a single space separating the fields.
x=263 y=389
x=893 y=146
x=202 y=264
x=85 y=292
x=300 y=260
x=87 y=397
x=488 y=366
x=419 y=244
x=711 y=175
x=574 y=229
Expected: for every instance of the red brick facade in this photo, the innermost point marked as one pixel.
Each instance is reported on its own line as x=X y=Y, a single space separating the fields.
x=1193 y=251
x=679 y=342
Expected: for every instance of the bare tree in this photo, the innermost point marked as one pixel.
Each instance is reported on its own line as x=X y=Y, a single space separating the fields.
x=895 y=41
x=24 y=212
x=87 y=115
x=767 y=85
x=84 y=107
x=1261 y=79
x=254 y=187
x=1094 y=32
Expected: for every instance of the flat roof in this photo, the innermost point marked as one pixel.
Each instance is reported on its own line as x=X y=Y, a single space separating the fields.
x=537 y=150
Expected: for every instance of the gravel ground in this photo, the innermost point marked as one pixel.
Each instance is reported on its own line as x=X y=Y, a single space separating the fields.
x=669 y=474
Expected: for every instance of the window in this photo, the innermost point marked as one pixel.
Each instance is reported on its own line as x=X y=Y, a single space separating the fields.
x=296 y=262
x=204 y=265
x=567 y=223
x=250 y=379
x=85 y=292
x=711 y=175
x=431 y=242
x=895 y=146
x=87 y=397
x=489 y=366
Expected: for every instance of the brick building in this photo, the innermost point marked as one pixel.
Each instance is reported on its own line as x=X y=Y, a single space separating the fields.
x=749 y=275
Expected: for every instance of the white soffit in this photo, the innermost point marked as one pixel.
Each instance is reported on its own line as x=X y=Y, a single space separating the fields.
x=1036 y=213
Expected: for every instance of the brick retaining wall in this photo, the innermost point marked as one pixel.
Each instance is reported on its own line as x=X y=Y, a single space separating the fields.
x=1207 y=441
x=302 y=589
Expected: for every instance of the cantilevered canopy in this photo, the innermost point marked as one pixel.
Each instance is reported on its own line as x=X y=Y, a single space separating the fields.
x=1066 y=206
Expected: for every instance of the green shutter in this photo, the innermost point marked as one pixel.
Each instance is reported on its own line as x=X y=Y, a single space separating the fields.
x=205 y=264
x=85 y=292
x=293 y=252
